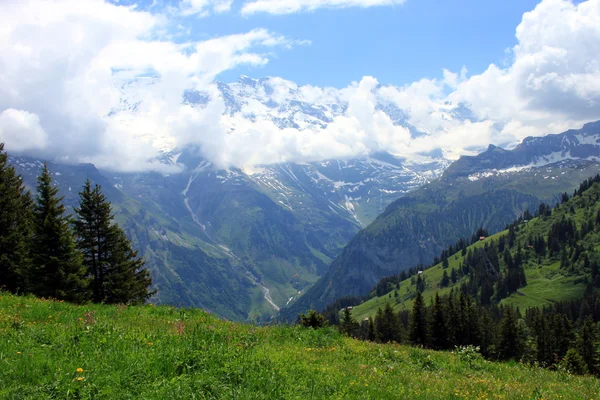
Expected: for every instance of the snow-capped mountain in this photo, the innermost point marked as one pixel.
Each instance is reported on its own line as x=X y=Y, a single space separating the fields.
x=573 y=146
x=253 y=238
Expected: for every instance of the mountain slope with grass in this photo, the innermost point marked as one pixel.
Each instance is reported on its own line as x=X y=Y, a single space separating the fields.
x=55 y=350
x=489 y=190
x=558 y=251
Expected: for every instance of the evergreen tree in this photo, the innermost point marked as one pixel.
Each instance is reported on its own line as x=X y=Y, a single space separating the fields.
x=453 y=276
x=509 y=340
x=58 y=269
x=487 y=334
x=348 y=325
x=445 y=280
x=588 y=346
x=574 y=363
x=15 y=228
x=418 y=332
x=371 y=334
x=117 y=272
x=438 y=329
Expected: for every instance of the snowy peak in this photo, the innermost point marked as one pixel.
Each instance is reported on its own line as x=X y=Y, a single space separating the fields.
x=574 y=146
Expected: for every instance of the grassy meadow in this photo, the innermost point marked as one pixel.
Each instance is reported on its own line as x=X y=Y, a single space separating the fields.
x=55 y=350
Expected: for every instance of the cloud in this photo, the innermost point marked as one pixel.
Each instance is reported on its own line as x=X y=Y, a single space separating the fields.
x=76 y=65
x=294 y=6
x=21 y=130
x=203 y=8
x=555 y=74
x=90 y=81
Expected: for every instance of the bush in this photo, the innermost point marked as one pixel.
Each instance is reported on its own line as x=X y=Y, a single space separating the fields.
x=313 y=319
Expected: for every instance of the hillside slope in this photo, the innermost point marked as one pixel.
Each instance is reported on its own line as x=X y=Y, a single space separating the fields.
x=55 y=350
x=488 y=190
x=556 y=268
x=219 y=239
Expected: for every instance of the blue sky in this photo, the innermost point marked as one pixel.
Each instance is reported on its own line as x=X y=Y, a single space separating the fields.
x=398 y=44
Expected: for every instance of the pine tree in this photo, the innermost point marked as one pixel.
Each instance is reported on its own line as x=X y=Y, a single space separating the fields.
x=438 y=329
x=371 y=334
x=127 y=281
x=15 y=228
x=509 y=346
x=588 y=346
x=487 y=334
x=58 y=270
x=445 y=280
x=418 y=332
x=348 y=325
x=117 y=272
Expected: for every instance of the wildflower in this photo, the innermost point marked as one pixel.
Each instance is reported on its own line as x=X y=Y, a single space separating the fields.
x=79 y=370
x=80 y=378
x=149 y=343
x=18 y=352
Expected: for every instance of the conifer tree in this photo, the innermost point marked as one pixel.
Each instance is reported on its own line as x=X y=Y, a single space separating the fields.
x=509 y=336
x=588 y=346
x=58 y=270
x=418 y=332
x=445 y=280
x=15 y=228
x=371 y=334
x=438 y=329
x=117 y=272
x=348 y=325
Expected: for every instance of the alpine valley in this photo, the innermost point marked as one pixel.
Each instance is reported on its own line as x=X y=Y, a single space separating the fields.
x=246 y=243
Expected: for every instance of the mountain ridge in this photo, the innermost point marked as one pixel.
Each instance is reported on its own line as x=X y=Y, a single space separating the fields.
x=474 y=191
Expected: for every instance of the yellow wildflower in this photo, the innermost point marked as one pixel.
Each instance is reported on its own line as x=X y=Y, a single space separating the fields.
x=79 y=370
x=80 y=378
x=18 y=352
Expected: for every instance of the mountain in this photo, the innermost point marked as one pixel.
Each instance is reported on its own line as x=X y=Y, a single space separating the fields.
x=538 y=243
x=243 y=242
x=238 y=243
x=489 y=190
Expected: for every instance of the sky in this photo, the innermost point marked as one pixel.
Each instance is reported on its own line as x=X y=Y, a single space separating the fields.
x=521 y=67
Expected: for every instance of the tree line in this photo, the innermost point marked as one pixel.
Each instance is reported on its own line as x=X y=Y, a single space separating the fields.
x=49 y=253
x=565 y=334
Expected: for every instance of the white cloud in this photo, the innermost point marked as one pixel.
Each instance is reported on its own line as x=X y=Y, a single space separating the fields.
x=69 y=61
x=294 y=6
x=85 y=80
x=203 y=8
x=21 y=131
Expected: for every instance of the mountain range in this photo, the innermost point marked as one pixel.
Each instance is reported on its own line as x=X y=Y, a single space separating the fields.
x=245 y=242
x=488 y=190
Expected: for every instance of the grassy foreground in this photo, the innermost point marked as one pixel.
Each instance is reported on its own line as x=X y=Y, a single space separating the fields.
x=57 y=350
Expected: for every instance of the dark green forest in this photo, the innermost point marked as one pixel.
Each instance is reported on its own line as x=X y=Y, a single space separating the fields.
x=47 y=252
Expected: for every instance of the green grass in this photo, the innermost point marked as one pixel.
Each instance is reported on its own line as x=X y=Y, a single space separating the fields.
x=545 y=285
x=57 y=350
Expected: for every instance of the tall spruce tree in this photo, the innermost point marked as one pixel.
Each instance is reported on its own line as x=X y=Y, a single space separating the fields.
x=117 y=272
x=58 y=270
x=438 y=329
x=418 y=332
x=349 y=325
x=15 y=227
